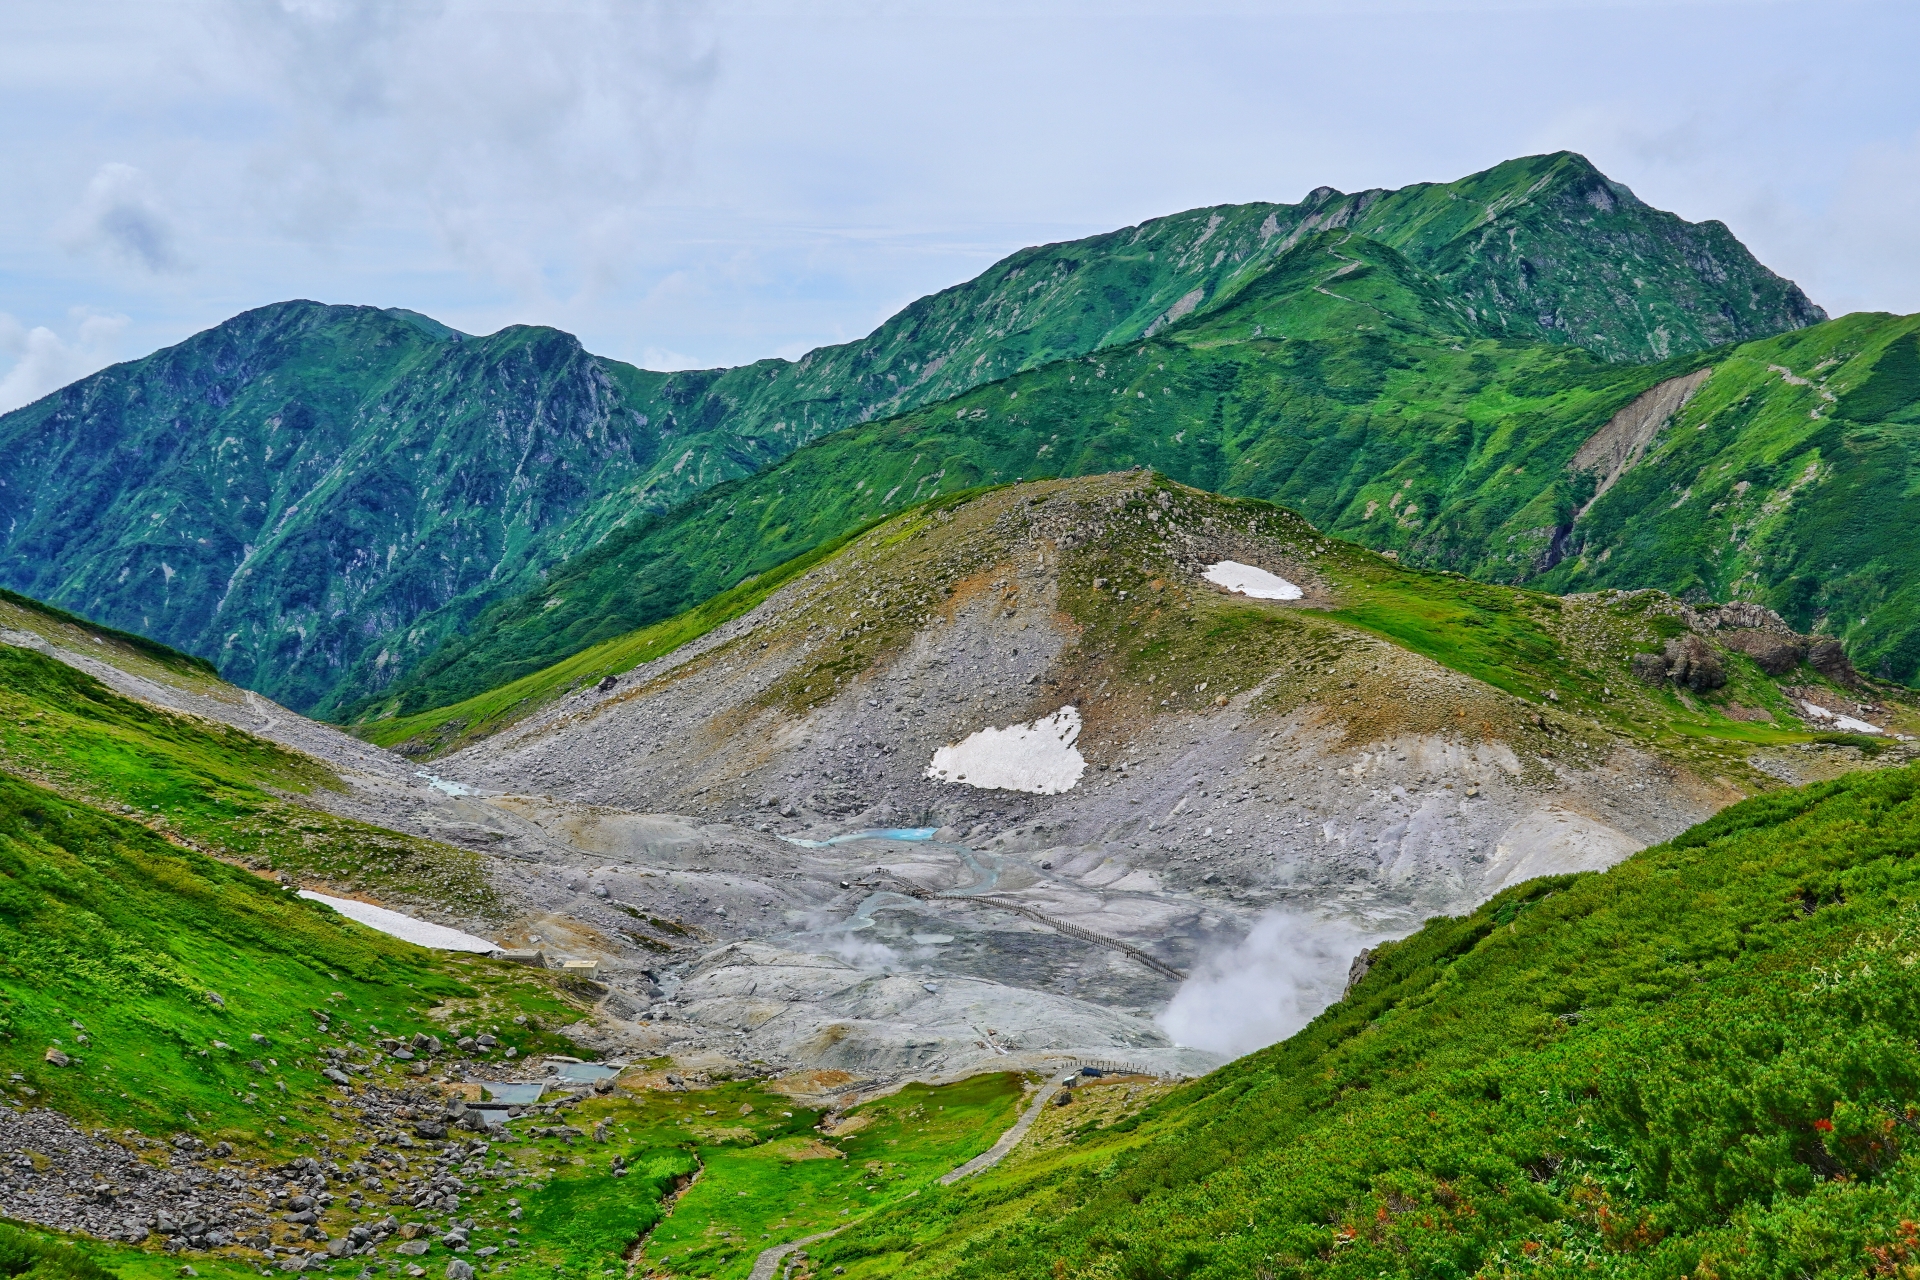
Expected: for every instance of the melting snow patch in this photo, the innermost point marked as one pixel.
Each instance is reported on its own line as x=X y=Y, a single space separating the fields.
x=441 y=784
x=1249 y=581
x=1847 y=723
x=1039 y=757
x=420 y=932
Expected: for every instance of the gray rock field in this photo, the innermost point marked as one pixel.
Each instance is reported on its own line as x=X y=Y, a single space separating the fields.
x=779 y=882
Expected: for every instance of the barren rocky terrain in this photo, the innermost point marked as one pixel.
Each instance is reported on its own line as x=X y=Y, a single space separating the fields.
x=745 y=836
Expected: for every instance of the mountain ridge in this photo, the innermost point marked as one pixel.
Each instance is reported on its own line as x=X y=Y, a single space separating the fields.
x=292 y=493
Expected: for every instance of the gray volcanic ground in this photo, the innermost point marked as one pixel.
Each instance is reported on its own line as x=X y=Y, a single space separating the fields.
x=791 y=889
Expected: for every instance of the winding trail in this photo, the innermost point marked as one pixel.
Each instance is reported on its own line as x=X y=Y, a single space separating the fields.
x=994 y=1154
x=769 y=1260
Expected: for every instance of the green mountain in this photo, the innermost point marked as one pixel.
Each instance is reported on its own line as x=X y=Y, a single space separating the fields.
x=1339 y=380
x=1786 y=479
x=316 y=497
x=1343 y=382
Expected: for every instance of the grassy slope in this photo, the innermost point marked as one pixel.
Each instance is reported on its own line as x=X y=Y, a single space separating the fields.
x=1796 y=493
x=109 y=925
x=438 y=731
x=1701 y=1062
x=211 y=786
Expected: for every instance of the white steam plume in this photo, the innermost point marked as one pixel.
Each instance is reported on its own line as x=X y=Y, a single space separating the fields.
x=1278 y=978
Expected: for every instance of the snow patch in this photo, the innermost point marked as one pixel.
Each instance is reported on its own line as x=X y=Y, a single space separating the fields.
x=419 y=932
x=441 y=784
x=1039 y=757
x=1848 y=723
x=1249 y=581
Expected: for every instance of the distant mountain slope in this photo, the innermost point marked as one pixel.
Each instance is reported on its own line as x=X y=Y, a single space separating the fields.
x=1338 y=382
x=1362 y=420
x=313 y=496
x=1788 y=478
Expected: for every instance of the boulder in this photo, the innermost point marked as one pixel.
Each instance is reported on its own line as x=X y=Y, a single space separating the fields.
x=1772 y=652
x=1649 y=668
x=1829 y=658
x=1692 y=662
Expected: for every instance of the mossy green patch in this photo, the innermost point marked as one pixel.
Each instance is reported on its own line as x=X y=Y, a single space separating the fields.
x=151 y=967
x=211 y=785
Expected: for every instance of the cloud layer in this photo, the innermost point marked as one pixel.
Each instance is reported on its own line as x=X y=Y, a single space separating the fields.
x=37 y=360
x=705 y=185
x=120 y=217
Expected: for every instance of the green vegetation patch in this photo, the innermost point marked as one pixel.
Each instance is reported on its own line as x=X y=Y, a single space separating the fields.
x=213 y=786
x=151 y=967
x=26 y=1254
x=436 y=732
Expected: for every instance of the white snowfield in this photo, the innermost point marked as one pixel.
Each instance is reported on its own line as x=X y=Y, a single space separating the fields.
x=1848 y=723
x=420 y=932
x=1249 y=581
x=1039 y=758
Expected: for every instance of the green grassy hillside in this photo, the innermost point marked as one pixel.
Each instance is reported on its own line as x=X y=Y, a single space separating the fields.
x=1788 y=479
x=314 y=497
x=115 y=943
x=211 y=787
x=1700 y=1063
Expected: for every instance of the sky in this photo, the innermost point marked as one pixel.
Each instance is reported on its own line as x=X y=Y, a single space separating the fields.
x=691 y=185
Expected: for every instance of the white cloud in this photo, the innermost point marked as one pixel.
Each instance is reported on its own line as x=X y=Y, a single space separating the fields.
x=526 y=137
x=42 y=361
x=121 y=217
x=1286 y=970
x=665 y=361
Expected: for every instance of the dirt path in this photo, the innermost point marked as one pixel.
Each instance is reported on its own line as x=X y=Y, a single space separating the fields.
x=994 y=1154
x=769 y=1260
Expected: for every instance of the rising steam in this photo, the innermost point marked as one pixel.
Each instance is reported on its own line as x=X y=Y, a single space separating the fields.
x=1274 y=982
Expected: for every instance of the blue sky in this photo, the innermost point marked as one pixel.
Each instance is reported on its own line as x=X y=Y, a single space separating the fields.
x=686 y=185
